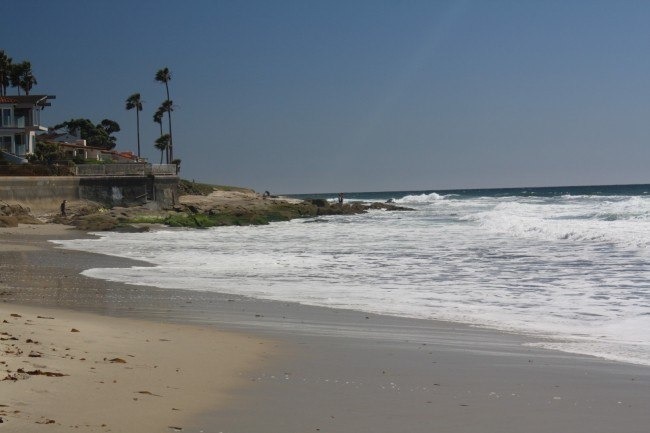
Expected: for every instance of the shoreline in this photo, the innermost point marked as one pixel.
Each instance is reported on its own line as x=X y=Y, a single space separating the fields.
x=347 y=371
x=543 y=339
x=66 y=369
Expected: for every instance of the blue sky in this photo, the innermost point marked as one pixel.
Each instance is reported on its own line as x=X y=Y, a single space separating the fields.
x=324 y=96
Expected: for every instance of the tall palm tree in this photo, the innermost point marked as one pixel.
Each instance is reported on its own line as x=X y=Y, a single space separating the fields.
x=21 y=76
x=168 y=107
x=162 y=144
x=164 y=76
x=134 y=101
x=157 y=117
x=15 y=75
x=27 y=81
x=5 y=72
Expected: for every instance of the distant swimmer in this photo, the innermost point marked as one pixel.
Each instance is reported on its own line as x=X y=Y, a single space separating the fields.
x=390 y=200
x=340 y=198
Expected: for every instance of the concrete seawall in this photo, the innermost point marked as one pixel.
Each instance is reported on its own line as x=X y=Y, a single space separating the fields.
x=47 y=192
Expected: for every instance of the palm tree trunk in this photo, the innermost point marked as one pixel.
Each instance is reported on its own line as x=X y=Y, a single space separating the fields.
x=171 y=147
x=137 y=118
x=169 y=118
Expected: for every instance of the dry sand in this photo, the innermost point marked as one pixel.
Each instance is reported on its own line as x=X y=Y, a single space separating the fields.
x=70 y=371
x=335 y=371
x=66 y=370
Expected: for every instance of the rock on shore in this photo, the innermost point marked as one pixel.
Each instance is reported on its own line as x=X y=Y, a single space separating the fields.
x=13 y=214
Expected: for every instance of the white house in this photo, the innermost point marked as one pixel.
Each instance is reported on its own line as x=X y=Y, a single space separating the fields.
x=20 y=119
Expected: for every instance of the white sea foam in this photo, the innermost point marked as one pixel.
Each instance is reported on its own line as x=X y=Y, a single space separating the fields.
x=420 y=198
x=547 y=266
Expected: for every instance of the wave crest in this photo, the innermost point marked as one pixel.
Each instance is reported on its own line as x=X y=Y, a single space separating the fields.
x=625 y=223
x=421 y=198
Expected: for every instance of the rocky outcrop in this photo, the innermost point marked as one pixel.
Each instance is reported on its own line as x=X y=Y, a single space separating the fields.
x=323 y=207
x=244 y=207
x=232 y=206
x=13 y=214
x=248 y=207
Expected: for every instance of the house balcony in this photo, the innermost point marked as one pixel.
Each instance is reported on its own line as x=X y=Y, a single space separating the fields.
x=16 y=127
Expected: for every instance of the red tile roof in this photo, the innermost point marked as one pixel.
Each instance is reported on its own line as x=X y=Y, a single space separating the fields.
x=8 y=100
x=26 y=99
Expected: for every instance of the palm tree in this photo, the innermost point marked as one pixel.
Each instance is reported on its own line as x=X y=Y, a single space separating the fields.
x=164 y=76
x=5 y=71
x=21 y=76
x=27 y=81
x=168 y=107
x=162 y=144
x=15 y=74
x=157 y=117
x=134 y=101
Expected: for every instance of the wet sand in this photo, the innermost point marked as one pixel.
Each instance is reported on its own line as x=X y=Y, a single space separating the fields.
x=347 y=371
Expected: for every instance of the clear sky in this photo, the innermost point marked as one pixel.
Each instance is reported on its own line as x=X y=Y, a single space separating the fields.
x=343 y=95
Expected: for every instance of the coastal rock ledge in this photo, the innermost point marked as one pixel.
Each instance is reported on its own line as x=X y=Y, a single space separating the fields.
x=247 y=207
x=216 y=206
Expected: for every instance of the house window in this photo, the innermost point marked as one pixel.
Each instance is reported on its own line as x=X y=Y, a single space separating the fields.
x=21 y=146
x=6 y=116
x=21 y=117
x=5 y=143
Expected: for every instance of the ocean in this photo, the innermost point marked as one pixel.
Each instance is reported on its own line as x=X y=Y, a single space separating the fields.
x=568 y=266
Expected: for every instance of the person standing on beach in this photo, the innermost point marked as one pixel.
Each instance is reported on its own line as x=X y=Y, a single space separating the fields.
x=63 y=207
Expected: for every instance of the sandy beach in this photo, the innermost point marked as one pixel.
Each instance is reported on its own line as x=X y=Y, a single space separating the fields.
x=64 y=370
x=67 y=370
x=263 y=366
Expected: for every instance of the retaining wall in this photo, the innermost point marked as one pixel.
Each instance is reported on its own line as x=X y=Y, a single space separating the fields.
x=40 y=193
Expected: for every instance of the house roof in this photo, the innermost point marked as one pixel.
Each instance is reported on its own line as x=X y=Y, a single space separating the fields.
x=49 y=135
x=27 y=99
x=77 y=145
x=123 y=154
x=53 y=135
